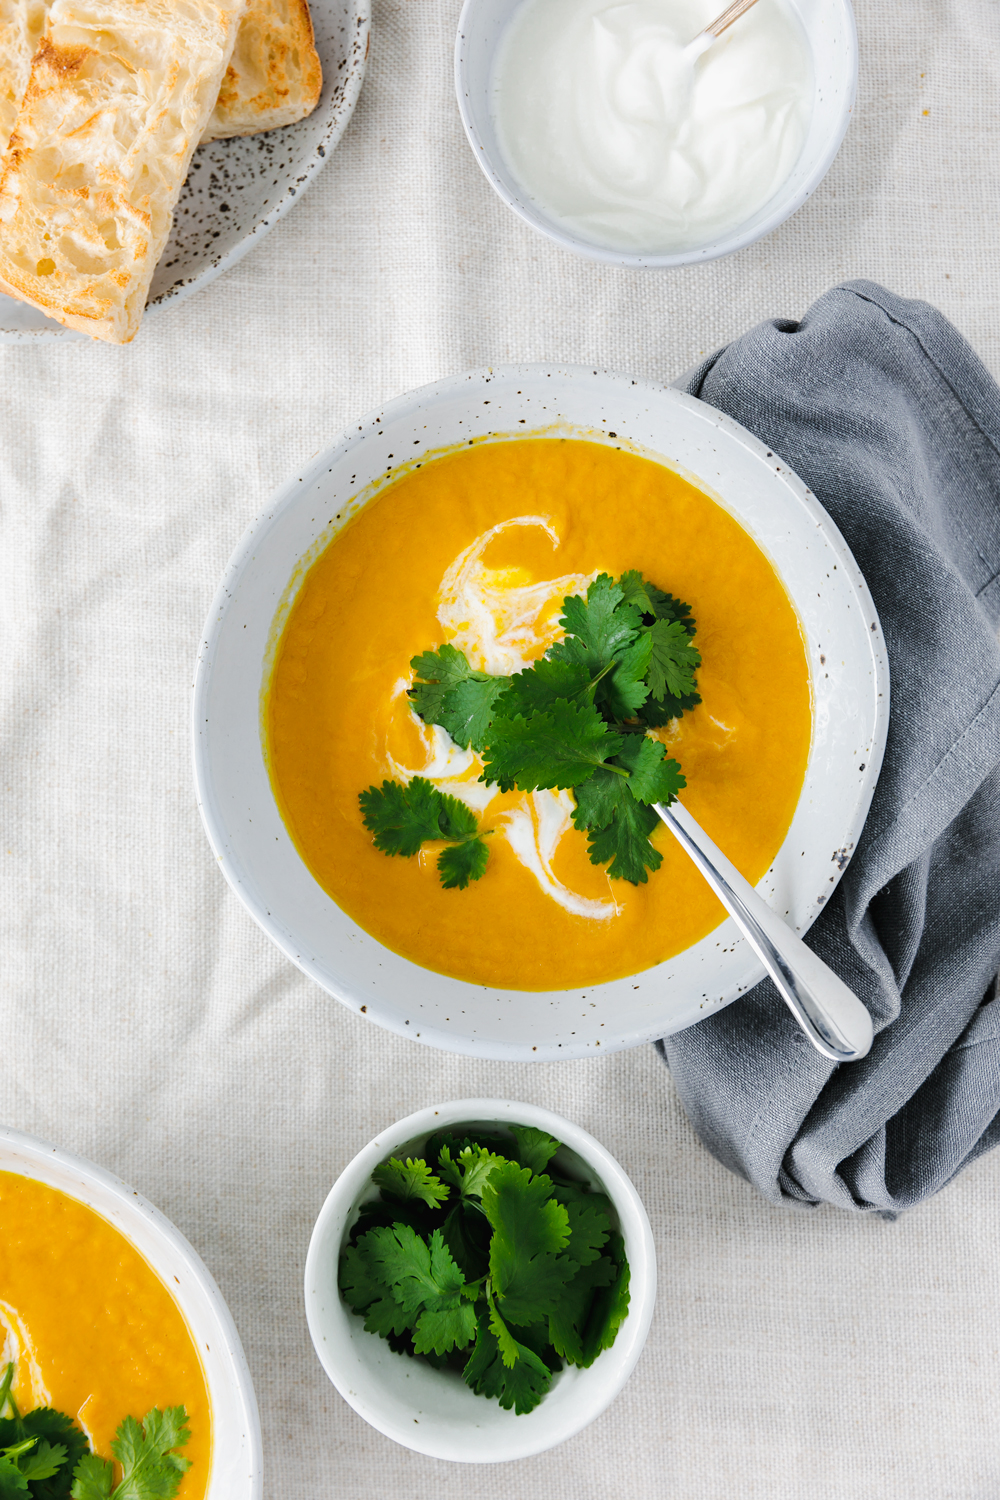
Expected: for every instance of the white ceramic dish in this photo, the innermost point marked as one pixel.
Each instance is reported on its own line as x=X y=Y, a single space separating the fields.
x=433 y=1411
x=830 y=29
x=850 y=702
x=237 y=190
x=236 y=1446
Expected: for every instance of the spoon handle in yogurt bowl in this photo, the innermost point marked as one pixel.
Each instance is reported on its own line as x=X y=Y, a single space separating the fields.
x=831 y=1015
x=729 y=15
x=714 y=29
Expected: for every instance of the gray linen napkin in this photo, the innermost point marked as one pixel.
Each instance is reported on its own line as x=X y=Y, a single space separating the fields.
x=884 y=411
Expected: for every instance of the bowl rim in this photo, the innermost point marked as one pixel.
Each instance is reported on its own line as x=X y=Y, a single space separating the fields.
x=340 y=108
x=215 y=796
x=737 y=239
x=343 y=1197
x=130 y=1203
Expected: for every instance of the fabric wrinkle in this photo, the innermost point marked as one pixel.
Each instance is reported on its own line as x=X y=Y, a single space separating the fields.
x=871 y=401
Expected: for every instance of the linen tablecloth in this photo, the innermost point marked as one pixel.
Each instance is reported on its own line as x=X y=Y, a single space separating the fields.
x=150 y=1026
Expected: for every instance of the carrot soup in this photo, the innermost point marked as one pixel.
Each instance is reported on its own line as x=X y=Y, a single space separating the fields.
x=479 y=547
x=91 y=1328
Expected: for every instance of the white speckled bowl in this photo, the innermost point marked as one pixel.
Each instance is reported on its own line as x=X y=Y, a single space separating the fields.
x=433 y=1411
x=844 y=649
x=830 y=29
x=237 y=190
x=236 y=1472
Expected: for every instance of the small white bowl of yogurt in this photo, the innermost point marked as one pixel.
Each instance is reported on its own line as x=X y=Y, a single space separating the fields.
x=601 y=127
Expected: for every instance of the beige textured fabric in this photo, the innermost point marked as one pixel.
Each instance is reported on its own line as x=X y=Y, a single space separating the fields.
x=148 y=1024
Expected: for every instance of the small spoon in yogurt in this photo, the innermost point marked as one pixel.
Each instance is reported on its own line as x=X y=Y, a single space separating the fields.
x=714 y=30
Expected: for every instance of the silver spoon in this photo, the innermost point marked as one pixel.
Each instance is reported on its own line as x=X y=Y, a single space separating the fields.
x=831 y=1015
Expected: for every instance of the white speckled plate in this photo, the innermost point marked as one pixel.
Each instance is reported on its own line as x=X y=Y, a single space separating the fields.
x=236 y=190
x=847 y=664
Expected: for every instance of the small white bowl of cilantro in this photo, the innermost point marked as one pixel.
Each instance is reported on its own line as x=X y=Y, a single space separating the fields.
x=480 y=1281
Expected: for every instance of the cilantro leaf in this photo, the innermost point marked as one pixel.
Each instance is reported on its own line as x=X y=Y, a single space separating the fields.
x=529 y=1230
x=421 y=1274
x=366 y=1292
x=673 y=660
x=454 y=696
x=444 y=1329
x=618 y=828
x=13 y=1485
x=558 y=748
x=467 y=710
x=653 y=601
x=536 y=1338
x=597 y=629
x=93 y=1478
x=611 y=1304
x=506 y=1342
x=624 y=690
x=535 y=1148
x=658 y=711
x=150 y=1469
x=409 y=1179
x=569 y=1321
x=43 y=1462
x=540 y=686
x=44 y=1445
x=460 y=863
x=597 y=800
x=422 y=1279
x=652 y=778
x=441 y=670
x=520 y=1386
x=403 y=817
x=499 y=1145
x=589 y=1228
x=470 y=1170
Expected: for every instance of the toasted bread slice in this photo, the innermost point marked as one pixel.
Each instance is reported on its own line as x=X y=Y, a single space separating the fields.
x=119 y=95
x=21 y=25
x=274 y=77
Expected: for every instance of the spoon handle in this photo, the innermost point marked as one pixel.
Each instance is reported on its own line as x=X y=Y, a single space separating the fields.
x=831 y=1015
x=729 y=15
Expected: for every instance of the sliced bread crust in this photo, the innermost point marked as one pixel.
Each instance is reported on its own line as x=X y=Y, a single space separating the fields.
x=275 y=77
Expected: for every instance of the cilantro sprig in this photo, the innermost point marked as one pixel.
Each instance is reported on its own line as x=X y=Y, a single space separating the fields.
x=495 y=1265
x=575 y=720
x=404 y=818
x=45 y=1456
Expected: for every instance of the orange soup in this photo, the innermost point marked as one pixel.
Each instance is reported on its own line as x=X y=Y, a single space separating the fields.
x=92 y=1328
x=479 y=547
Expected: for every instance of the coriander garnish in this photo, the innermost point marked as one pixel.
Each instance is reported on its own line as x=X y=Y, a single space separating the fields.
x=496 y=1266
x=45 y=1456
x=576 y=719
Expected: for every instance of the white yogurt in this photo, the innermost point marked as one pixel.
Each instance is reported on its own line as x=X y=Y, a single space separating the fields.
x=629 y=141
